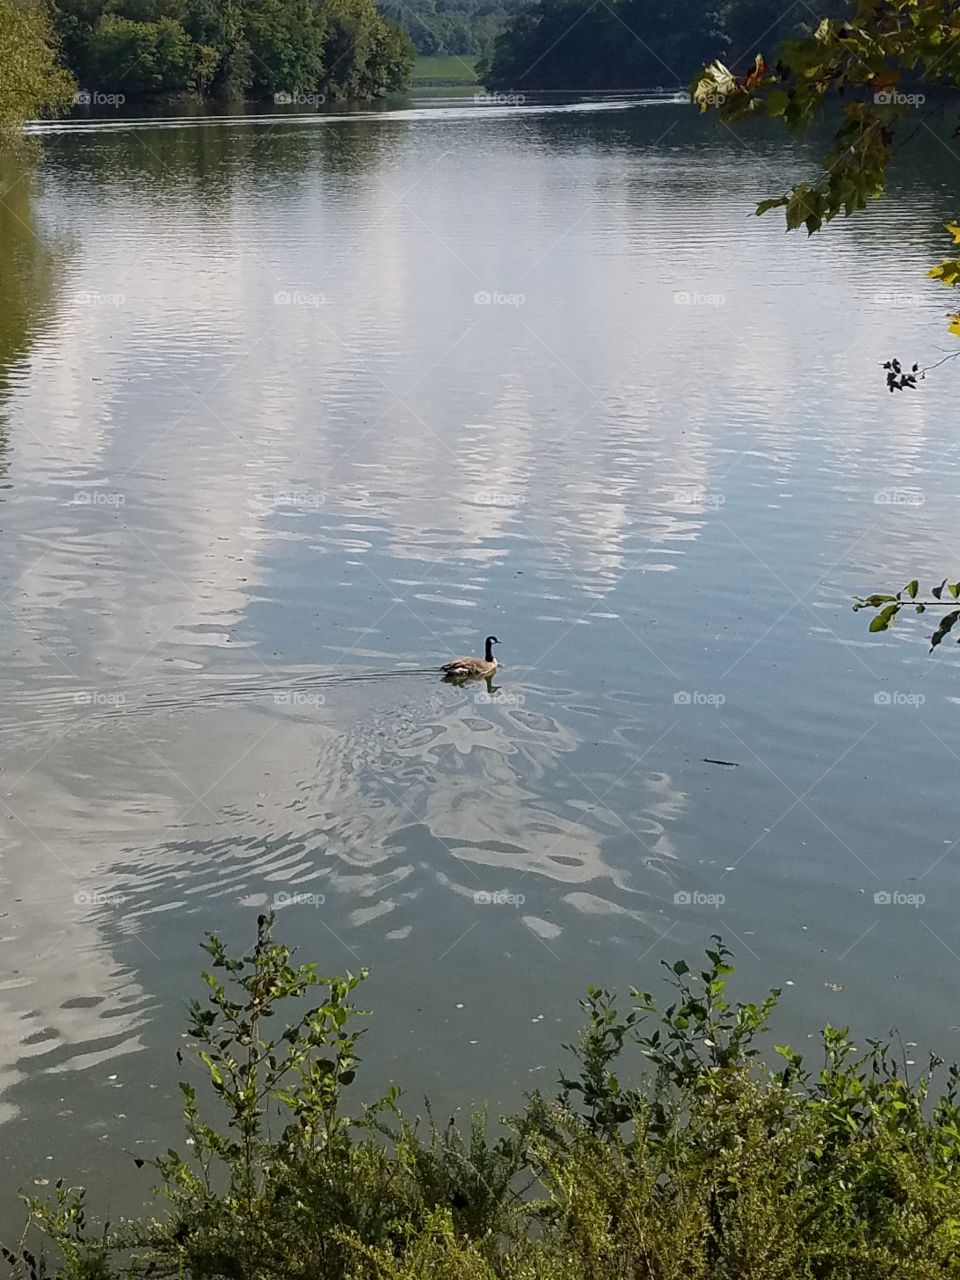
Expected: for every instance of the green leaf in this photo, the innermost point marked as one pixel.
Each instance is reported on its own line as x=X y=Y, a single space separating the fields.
x=912 y=587
x=946 y=625
x=777 y=102
x=884 y=618
x=766 y=205
x=212 y=1067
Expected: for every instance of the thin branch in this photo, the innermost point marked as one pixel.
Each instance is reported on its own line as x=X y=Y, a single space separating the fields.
x=953 y=355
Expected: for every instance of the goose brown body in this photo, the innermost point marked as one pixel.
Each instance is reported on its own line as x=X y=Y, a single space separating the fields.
x=464 y=668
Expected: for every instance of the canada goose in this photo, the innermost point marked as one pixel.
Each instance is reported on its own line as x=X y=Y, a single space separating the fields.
x=463 y=668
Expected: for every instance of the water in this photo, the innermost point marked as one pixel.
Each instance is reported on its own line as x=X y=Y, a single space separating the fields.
x=293 y=410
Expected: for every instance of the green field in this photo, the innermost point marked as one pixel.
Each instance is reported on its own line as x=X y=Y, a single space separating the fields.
x=444 y=71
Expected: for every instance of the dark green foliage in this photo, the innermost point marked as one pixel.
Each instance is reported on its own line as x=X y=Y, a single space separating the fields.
x=353 y=32
x=757 y=26
x=711 y=1167
x=221 y=24
x=872 y=57
x=316 y=48
x=285 y=45
x=156 y=57
x=574 y=45
x=392 y=57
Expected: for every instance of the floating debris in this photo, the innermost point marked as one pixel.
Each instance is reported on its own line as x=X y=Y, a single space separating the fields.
x=727 y=764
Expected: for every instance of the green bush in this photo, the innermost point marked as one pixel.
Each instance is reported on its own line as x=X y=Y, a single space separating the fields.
x=139 y=58
x=286 y=40
x=31 y=82
x=712 y=1166
x=364 y=53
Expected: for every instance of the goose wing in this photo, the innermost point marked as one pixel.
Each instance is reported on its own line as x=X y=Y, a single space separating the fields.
x=463 y=665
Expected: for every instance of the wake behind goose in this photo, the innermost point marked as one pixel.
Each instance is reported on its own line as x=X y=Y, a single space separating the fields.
x=109 y=702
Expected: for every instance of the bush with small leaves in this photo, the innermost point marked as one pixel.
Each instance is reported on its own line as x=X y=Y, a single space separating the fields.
x=715 y=1164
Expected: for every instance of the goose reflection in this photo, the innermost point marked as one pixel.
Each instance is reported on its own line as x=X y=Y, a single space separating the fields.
x=486 y=681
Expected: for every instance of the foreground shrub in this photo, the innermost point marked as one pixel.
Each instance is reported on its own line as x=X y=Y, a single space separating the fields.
x=710 y=1166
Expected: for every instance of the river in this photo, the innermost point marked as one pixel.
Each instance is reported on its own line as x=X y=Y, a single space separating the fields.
x=294 y=408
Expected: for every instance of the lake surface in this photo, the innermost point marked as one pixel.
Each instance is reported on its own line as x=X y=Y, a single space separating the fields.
x=294 y=409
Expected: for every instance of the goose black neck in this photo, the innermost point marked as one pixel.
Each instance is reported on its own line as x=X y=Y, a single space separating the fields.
x=488 y=651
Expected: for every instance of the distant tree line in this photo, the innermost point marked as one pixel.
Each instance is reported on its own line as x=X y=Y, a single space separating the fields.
x=231 y=48
x=134 y=49
x=455 y=27
x=577 y=45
